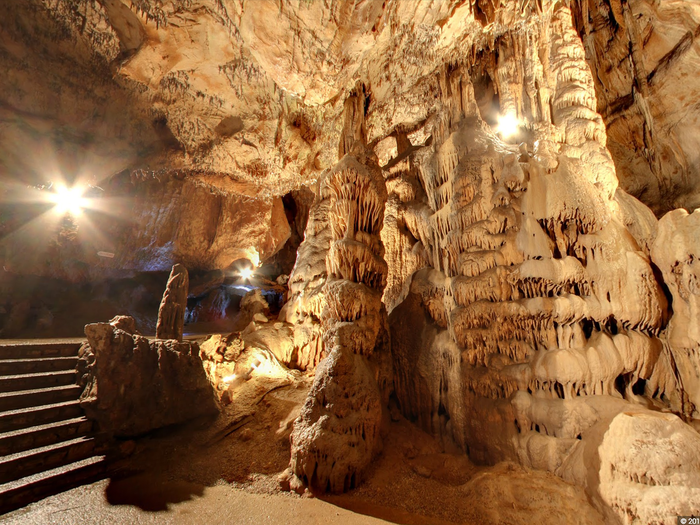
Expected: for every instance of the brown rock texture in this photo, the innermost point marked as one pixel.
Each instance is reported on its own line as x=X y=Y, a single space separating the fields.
x=644 y=58
x=134 y=385
x=171 y=314
x=196 y=92
x=516 y=281
x=144 y=223
x=676 y=251
x=656 y=475
x=525 y=311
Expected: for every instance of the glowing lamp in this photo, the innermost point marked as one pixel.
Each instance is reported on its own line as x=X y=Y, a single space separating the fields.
x=69 y=200
x=508 y=125
x=246 y=273
x=230 y=378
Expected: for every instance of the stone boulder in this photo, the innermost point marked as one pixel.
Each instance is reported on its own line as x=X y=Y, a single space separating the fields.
x=650 y=467
x=134 y=385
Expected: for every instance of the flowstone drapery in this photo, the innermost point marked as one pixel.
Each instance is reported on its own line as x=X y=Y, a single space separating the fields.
x=537 y=317
x=526 y=318
x=465 y=202
x=337 y=433
x=676 y=251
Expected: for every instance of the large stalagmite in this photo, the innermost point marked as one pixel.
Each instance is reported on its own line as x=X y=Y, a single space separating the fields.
x=337 y=432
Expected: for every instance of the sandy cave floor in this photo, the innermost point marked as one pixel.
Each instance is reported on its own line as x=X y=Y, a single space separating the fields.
x=225 y=471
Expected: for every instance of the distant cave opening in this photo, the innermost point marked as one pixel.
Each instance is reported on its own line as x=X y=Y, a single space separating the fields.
x=487 y=98
x=216 y=298
x=296 y=209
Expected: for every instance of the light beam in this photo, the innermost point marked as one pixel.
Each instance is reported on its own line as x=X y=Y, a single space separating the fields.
x=69 y=200
x=508 y=125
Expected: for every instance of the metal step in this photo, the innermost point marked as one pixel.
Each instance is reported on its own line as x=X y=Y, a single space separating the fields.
x=37 y=364
x=38 y=397
x=33 y=381
x=43 y=435
x=33 y=416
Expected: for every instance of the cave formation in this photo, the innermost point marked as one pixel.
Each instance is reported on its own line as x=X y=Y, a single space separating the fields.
x=479 y=220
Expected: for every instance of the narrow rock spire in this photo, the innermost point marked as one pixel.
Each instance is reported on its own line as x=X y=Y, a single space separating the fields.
x=171 y=314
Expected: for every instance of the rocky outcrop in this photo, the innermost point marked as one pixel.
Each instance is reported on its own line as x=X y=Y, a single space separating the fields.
x=171 y=314
x=134 y=385
x=676 y=251
x=643 y=55
x=528 y=316
x=538 y=317
x=655 y=476
x=195 y=91
x=525 y=311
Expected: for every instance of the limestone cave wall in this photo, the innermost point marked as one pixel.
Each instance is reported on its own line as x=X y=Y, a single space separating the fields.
x=525 y=293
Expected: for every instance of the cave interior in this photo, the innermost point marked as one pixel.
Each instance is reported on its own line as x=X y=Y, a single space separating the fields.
x=334 y=261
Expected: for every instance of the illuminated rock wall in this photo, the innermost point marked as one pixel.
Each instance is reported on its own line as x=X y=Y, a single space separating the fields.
x=527 y=293
x=524 y=310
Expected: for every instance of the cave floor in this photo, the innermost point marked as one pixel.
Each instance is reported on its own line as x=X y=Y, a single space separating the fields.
x=225 y=470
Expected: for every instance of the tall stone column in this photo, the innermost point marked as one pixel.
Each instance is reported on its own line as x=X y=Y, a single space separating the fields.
x=337 y=432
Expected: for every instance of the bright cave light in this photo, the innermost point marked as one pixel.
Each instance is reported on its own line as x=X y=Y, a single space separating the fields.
x=229 y=379
x=508 y=125
x=246 y=273
x=69 y=200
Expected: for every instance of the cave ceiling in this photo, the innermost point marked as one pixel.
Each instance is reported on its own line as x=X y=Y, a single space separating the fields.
x=248 y=96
